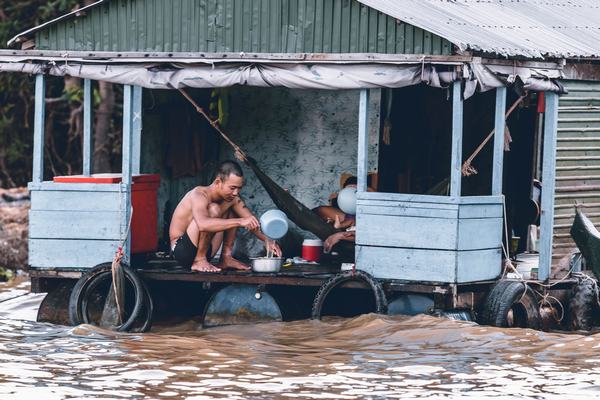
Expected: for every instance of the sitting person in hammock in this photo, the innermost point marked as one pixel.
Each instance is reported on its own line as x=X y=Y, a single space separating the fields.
x=340 y=220
x=209 y=216
x=332 y=213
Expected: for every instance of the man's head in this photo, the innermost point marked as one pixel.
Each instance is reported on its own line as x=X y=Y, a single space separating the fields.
x=229 y=180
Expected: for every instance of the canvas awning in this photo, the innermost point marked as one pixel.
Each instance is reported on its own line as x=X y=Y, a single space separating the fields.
x=477 y=76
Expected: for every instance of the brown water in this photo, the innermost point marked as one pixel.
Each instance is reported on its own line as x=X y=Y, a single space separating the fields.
x=365 y=357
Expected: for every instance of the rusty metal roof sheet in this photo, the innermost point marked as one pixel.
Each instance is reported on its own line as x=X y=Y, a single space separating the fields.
x=530 y=28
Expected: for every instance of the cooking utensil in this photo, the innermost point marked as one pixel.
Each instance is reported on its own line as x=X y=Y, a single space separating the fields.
x=264 y=264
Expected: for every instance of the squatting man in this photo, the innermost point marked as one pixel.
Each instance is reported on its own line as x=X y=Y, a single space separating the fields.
x=209 y=216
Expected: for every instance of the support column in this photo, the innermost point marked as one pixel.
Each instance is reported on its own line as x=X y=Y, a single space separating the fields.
x=37 y=175
x=127 y=168
x=499 y=126
x=363 y=141
x=137 y=131
x=548 y=185
x=88 y=149
x=457 y=130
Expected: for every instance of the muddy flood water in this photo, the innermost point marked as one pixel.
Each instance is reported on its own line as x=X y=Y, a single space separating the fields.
x=365 y=357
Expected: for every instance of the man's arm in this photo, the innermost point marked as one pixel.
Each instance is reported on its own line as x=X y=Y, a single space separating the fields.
x=240 y=209
x=205 y=222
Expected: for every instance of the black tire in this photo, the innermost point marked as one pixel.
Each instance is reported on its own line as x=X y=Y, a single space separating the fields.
x=91 y=280
x=347 y=276
x=583 y=305
x=511 y=304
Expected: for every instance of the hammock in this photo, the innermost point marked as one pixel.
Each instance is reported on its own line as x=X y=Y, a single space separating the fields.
x=297 y=212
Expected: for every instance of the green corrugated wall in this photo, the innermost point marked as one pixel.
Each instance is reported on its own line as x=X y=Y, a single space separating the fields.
x=577 y=161
x=253 y=26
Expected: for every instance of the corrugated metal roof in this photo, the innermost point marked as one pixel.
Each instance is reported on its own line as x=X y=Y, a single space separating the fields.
x=530 y=28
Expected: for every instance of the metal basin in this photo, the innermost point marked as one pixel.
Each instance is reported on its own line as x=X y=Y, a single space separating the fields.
x=264 y=264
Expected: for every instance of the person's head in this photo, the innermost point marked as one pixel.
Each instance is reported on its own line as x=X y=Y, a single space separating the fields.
x=229 y=180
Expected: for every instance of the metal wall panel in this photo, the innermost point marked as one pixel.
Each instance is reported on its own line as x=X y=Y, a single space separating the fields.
x=577 y=162
x=253 y=26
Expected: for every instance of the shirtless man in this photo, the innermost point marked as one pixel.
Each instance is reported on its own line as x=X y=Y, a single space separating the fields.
x=210 y=215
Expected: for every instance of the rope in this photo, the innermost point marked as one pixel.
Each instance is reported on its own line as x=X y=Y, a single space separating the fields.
x=467 y=169
x=239 y=153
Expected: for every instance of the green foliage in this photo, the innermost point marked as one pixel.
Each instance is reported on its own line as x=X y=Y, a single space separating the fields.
x=17 y=90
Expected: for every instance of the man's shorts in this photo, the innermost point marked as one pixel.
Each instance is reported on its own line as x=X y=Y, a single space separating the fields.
x=184 y=251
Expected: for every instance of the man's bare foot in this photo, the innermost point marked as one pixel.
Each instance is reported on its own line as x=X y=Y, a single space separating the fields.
x=232 y=263
x=204 y=266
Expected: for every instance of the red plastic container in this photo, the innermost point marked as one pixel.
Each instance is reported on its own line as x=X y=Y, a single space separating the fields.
x=144 y=222
x=312 y=249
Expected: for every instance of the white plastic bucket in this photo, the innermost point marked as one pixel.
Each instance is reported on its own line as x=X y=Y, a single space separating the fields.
x=274 y=224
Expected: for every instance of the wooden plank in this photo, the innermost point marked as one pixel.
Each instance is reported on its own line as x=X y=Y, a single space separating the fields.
x=424 y=198
x=480 y=265
x=407 y=264
x=408 y=211
x=54 y=200
x=127 y=166
x=363 y=140
x=457 y=131
x=38 y=128
x=480 y=211
x=102 y=225
x=499 y=125
x=479 y=233
x=88 y=146
x=407 y=204
x=407 y=232
x=64 y=253
x=77 y=187
x=136 y=143
x=548 y=174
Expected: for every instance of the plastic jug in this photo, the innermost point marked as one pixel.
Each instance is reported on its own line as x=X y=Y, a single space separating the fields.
x=274 y=224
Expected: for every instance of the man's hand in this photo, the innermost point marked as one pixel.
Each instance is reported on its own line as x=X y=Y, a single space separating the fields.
x=250 y=223
x=273 y=247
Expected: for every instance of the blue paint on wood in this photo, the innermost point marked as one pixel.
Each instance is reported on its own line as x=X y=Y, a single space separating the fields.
x=137 y=130
x=87 y=128
x=499 y=141
x=38 y=128
x=127 y=168
x=70 y=253
x=457 y=131
x=363 y=140
x=548 y=180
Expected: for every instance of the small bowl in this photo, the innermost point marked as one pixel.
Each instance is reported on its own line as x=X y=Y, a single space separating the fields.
x=264 y=264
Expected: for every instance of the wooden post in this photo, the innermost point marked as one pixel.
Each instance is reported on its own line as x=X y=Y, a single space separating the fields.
x=38 y=129
x=126 y=179
x=548 y=185
x=363 y=141
x=457 y=128
x=87 y=128
x=137 y=130
x=499 y=126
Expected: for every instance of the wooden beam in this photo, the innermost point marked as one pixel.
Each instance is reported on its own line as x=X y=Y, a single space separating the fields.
x=499 y=126
x=363 y=140
x=136 y=149
x=126 y=179
x=548 y=182
x=457 y=129
x=87 y=128
x=38 y=129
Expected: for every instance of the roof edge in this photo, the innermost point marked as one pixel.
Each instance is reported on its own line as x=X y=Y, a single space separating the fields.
x=76 y=13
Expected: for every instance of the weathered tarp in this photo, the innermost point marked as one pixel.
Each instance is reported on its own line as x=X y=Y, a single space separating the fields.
x=478 y=77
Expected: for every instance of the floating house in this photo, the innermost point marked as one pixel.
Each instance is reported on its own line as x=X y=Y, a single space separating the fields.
x=404 y=90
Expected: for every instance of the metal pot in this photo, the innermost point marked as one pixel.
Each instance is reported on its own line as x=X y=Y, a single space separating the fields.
x=264 y=264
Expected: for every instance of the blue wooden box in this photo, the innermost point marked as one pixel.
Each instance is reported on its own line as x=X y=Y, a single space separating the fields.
x=429 y=238
x=74 y=225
